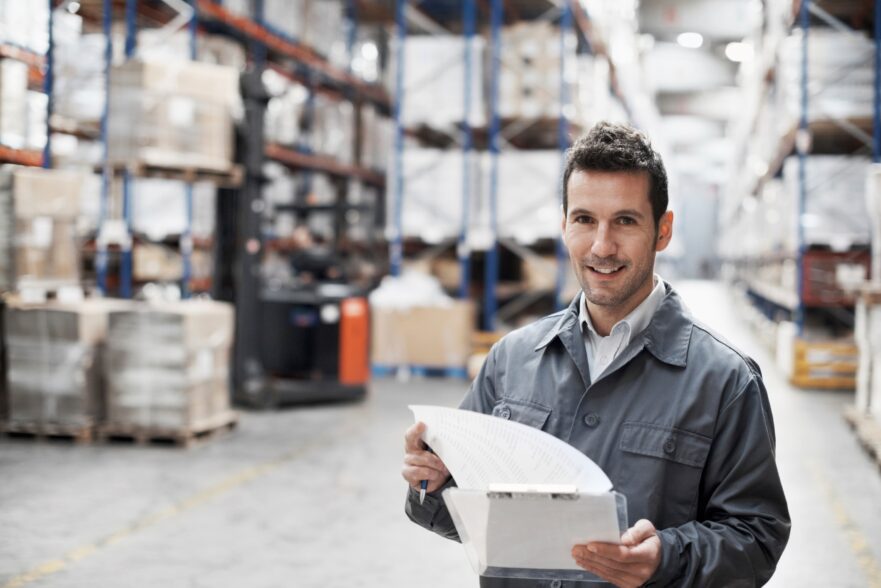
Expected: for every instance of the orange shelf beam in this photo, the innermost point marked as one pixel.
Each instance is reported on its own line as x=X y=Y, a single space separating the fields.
x=299 y=53
x=322 y=163
x=21 y=156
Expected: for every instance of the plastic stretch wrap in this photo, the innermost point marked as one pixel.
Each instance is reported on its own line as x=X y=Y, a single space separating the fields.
x=167 y=365
x=173 y=114
x=13 y=103
x=840 y=74
x=54 y=353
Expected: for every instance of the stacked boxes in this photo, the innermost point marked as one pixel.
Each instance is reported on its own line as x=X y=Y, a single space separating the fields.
x=333 y=132
x=54 y=372
x=13 y=103
x=413 y=323
x=840 y=74
x=434 y=82
x=835 y=211
x=25 y=24
x=46 y=204
x=172 y=114
x=529 y=206
x=167 y=366
x=377 y=133
x=530 y=74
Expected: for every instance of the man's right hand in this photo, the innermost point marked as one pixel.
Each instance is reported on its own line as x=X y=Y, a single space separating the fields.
x=421 y=464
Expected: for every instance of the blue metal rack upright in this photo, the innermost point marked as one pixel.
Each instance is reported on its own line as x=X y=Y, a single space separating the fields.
x=101 y=260
x=876 y=114
x=48 y=83
x=469 y=18
x=563 y=144
x=396 y=247
x=491 y=274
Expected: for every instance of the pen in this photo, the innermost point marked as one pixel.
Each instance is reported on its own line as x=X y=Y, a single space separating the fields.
x=423 y=486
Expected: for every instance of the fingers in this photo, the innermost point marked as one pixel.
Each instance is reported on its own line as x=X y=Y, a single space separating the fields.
x=617 y=577
x=623 y=565
x=642 y=530
x=413 y=438
x=420 y=464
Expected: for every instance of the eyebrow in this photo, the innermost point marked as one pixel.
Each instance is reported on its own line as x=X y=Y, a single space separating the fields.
x=619 y=213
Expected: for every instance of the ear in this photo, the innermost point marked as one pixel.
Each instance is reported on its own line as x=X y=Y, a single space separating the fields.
x=665 y=231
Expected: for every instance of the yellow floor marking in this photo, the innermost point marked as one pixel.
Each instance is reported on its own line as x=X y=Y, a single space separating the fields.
x=230 y=483
x=859 y=544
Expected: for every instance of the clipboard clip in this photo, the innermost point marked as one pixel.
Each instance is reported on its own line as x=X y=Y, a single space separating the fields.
x=536 y=491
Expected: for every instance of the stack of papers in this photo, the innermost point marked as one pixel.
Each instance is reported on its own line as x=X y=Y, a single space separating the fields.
x=523 y=497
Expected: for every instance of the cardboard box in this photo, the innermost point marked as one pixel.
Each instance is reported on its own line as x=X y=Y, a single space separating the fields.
x=183 y=113
x=46 y=253
x=54 y=193
x=153 y=262
x=429 y=336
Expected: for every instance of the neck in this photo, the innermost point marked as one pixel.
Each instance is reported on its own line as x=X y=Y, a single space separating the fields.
x=604 y=318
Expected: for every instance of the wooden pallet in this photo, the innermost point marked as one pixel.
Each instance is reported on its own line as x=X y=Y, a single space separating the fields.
x=826 y=365
x=187 y=437
x=231 y=177
x=868 y=431
x=79 y=434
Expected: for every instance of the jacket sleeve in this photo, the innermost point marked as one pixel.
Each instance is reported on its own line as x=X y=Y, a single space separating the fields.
x=743 y=520
x=433 y=513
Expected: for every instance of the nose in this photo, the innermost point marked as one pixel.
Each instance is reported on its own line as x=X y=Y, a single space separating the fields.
x=603 y=242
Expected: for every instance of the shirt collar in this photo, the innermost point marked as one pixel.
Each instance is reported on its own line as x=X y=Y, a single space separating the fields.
x=638 y=318
x=667 y=335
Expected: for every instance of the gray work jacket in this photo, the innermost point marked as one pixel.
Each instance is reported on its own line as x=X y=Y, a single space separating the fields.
x=681 y=424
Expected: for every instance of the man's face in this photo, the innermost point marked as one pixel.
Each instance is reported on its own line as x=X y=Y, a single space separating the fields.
x=610 y=233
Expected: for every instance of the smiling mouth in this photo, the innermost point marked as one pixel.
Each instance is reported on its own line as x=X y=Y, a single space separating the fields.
x=605 y=271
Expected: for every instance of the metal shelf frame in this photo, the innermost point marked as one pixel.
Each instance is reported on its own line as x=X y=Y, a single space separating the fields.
x=500 y=137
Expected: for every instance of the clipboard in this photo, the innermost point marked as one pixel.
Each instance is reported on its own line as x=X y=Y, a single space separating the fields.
x=527 y=531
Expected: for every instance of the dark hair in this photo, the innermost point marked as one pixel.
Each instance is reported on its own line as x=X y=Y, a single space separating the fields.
x=611 y=147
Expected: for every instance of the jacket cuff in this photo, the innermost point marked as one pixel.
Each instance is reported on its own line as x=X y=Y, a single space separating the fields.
x=427 y=513
x=670 y=567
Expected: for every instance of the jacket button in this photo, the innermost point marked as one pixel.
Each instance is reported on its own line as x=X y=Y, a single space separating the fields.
x=669 y=446
x=505 y=413
x=556 y=584
x=591 y=419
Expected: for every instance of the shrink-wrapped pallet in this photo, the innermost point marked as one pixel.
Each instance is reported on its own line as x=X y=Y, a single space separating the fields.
x=167 y=366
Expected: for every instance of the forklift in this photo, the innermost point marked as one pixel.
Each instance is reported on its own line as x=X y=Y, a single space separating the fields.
x=303 y=341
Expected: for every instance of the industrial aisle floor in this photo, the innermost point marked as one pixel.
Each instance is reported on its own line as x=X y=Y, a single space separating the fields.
x=313 y=497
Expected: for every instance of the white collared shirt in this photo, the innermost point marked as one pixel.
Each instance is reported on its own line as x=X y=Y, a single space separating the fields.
x=602 y=351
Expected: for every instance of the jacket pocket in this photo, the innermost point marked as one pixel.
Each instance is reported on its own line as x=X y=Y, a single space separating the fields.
x=526 y=412
x=667 y=443
x=660 y=472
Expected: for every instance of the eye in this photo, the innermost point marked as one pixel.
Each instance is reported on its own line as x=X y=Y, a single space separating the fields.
x=582 y=219
x=627 y=220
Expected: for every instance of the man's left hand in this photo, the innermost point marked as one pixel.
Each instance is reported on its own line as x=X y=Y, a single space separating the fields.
x=627 y=565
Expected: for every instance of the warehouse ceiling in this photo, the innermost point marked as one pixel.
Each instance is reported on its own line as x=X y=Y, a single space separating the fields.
x=693 y=80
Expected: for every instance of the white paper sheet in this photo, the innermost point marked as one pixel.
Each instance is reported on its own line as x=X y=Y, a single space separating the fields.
x=480 y=450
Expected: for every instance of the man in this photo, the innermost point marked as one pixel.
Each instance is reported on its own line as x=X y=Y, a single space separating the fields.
x=678 y=419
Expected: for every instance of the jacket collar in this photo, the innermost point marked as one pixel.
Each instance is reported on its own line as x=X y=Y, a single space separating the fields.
x=667 y=337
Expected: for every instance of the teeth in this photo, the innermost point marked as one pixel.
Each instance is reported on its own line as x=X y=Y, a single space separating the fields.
x=605 y=271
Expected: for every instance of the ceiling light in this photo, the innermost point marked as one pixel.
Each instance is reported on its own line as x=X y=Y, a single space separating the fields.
x=690 y=40
x=737 y=52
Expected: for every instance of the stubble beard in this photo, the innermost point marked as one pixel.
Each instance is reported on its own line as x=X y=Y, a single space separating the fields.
x=625 y=291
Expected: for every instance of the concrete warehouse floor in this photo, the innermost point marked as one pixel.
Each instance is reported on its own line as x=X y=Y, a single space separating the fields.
x=313 y=497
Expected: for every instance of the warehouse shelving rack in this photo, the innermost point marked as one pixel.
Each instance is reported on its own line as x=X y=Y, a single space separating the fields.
x=240 y=232
x=815 y=295
x=309 y=67
x=36 y=79
x=570 y=16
